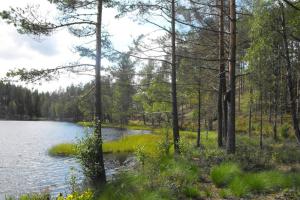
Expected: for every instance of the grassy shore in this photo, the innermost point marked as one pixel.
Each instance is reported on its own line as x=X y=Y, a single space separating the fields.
x=128 y=144
x=63 y=150
x=206 y=172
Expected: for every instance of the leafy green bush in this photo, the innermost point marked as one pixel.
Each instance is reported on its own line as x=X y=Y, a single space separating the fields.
x=284 y=130
x=89 y=154
x=223 y=174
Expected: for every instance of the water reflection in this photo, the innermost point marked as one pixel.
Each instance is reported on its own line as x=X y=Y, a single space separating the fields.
x=25 y=165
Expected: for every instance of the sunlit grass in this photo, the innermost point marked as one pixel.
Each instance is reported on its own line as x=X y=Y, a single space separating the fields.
x=129 y=144
x=222 y=175
x=65 y=149
x=240 y=183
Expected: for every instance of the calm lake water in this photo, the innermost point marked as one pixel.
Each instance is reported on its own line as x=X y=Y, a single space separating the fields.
x=25 y=165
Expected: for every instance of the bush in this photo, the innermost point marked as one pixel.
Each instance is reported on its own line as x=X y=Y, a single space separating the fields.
x=284 y=130
x=89 y=156
x=223 y=174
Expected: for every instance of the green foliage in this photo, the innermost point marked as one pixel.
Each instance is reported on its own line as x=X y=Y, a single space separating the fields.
x=89 y=154
x=33 y=196
x=192 y=192
x=165 y=145
x=223 y=174
x=87 y=195
x=284 y=130
x=141 y=155
x=65 y=149
x=241 y=184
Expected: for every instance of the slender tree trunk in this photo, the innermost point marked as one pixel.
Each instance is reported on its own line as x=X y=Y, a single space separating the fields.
x=210 y=124
x=276 y=96
x=232 y=65
x=144 y=118
x=289 y=76
x=174 y=90
x=222 y=80
x=261 y=118
x=100 y=176
x=250 y=112
x=239 y=89
x=182 y=116
x=297 y=97
x=270 y=107
x=199 y=117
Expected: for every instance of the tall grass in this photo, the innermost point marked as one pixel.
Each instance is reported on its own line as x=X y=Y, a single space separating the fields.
x=130 y=144
x=241 y=184
x=65 y=149
x=222 y=175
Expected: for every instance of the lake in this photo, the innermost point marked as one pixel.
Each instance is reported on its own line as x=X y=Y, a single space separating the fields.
x=25 y=165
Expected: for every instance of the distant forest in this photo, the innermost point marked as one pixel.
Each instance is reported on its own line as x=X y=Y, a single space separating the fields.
x=20 y=103
x=73 y=103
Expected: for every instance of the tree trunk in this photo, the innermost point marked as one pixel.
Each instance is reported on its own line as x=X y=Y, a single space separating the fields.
x=222 y=80
x=210 y=124
x=270 y=107
x=232 y=64
x=261 y=118
x=174 y=90
x=199 y=117
x=275 y=105
x=100 y=176
x=289 y=76
x=250 y=112
x=182 y=116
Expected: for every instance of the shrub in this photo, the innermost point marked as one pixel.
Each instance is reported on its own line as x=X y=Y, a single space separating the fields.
x=238 y=187
x=192 y=192
x=223 y=174
x=284 y=130
x=260 y=182
x=89 y=154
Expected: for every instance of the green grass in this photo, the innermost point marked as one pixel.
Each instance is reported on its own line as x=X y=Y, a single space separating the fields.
x=33 y=196
x=241 y=184
x=223 y=174
x=161 y=178
x=65 y=149
x=130 y=144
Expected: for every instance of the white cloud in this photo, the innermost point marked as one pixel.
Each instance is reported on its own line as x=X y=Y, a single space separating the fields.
x=25 y=51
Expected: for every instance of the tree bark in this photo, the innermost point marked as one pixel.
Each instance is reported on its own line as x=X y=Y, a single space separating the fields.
x=100 y=177
x=275 y=99
x=174 y=90
x=261 y=118
x=232 y=66
x=289 y=76
x=199 y=117
x=250 y=112
x=222 y=80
